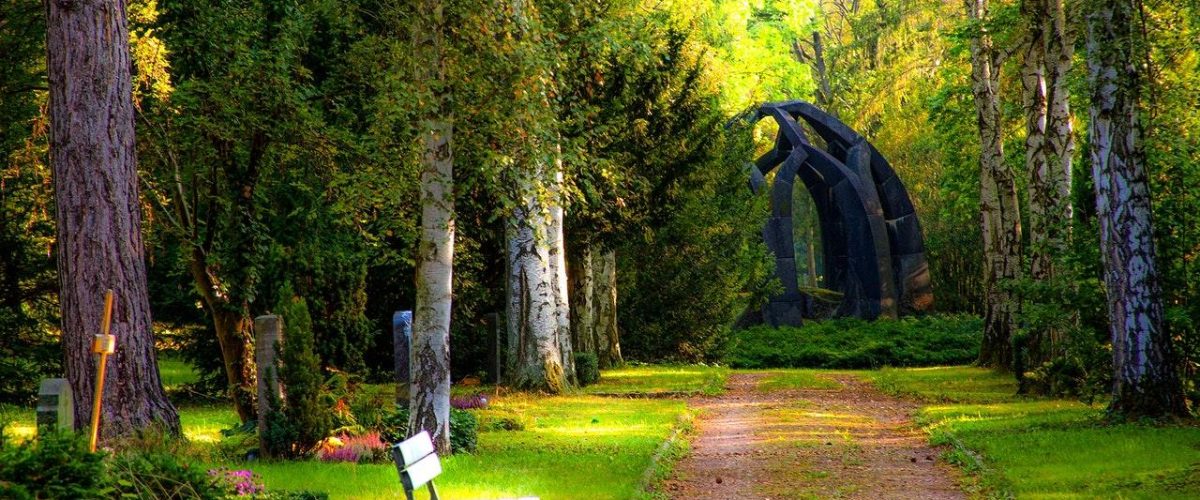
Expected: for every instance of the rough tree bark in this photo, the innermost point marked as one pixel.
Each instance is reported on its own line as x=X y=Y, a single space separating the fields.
x=1060 y=134
x=558 y=266
x=235 y=336
x=99 y=214
x=608 y=342
x=583 y=304
x=999 y=209
x=1147 y=382
x=534 y=346
x=430 y=354
x=1033 y=94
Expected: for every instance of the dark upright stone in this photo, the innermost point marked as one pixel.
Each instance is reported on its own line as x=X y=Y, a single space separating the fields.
x=55 y=408
x=402 y=339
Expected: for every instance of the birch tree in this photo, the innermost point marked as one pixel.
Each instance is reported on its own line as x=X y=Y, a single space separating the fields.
x=999 y=209
x=608 y=341
x=1049 y=143
x=99 y=214
x=1146 y=380
x=539 y=335
x=430 y=353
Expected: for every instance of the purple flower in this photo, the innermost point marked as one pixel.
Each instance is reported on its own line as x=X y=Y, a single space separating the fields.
x=469 y=402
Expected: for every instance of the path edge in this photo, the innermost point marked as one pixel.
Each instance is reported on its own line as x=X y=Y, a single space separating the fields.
x=670 y=452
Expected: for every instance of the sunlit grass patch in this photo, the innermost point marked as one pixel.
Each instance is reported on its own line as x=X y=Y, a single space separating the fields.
x=661 y=380
x=954 y=384
x=175 y=372
x=572 y=447
x=777 y=380
x=1046 y=448
x=204 y=424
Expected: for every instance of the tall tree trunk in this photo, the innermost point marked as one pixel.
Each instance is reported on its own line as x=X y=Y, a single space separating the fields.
x=430 y=404
x=1060 y=134
x=534 y=347
x=583 y=304
x=1146 y=380
x=608 y=342
x=99 y=214
x=1033 y=93
x=235 y=336
x=999 y=210
x=430 y=352
x=558 y=266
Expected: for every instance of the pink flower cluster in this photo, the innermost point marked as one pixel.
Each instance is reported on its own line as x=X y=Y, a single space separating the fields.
x=366 y=447
x=469 y=402
x=243 y=482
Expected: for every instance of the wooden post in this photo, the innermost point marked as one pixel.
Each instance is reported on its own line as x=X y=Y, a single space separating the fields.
x=268 y=336
x=103 y=345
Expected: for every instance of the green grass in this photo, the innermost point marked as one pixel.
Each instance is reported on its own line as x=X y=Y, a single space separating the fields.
x=175 y=373
x=661 y=381
x=849 y=343
x=572 y=447
x=794 y=379
x=1046 y=448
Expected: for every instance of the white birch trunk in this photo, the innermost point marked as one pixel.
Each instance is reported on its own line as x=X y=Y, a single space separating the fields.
x=1146 y=380
x=1033 y=94
x=999 y=210
x=429 y=358
x=558 y=266
x=535 y=350
x=608 y=342
x=583 y=304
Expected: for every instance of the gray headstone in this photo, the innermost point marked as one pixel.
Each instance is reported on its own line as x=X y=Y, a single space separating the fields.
x=268 y=336
x=497 y=351
x=55 y=408
x=402 y=338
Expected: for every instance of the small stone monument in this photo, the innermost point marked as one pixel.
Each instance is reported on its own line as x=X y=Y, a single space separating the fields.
x=268 y=336
x=497 y=348
x=55 y=408
x=402 y=336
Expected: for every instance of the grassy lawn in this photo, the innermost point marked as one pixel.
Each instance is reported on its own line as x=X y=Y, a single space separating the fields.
x=661 y=380
x=571 y=447
x=1045 y=448
x=580 y=445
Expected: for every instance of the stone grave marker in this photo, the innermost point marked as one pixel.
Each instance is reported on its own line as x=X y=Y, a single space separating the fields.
x=55 y=408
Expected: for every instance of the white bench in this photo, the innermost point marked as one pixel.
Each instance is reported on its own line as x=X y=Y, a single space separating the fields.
x=417 y=464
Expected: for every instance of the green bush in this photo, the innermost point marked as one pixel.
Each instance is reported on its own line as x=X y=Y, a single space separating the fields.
x=855 y=343
x=153 y=475
x=295 y=429
x=587 y=368
x=56 y=465
x=464 y=429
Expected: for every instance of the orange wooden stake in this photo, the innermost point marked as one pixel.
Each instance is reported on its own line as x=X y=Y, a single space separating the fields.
x=104 y=344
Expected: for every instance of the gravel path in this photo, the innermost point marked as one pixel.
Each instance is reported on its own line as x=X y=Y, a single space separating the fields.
x=850 y=442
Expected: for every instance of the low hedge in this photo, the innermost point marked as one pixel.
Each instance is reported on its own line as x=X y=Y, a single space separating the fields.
x=855 y=343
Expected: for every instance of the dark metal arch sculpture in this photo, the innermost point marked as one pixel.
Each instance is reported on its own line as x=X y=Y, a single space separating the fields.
x=872 y=241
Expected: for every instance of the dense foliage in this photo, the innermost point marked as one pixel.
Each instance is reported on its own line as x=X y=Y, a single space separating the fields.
x=853 y=343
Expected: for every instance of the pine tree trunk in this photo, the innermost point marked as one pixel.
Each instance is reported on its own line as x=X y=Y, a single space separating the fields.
x=999 y=210
x=608 y=342
x=583 y=304
x=429 y=357
x=1146 y=380
x=99 y=215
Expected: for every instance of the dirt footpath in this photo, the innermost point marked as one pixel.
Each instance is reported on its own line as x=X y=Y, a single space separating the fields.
x=850 y=442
